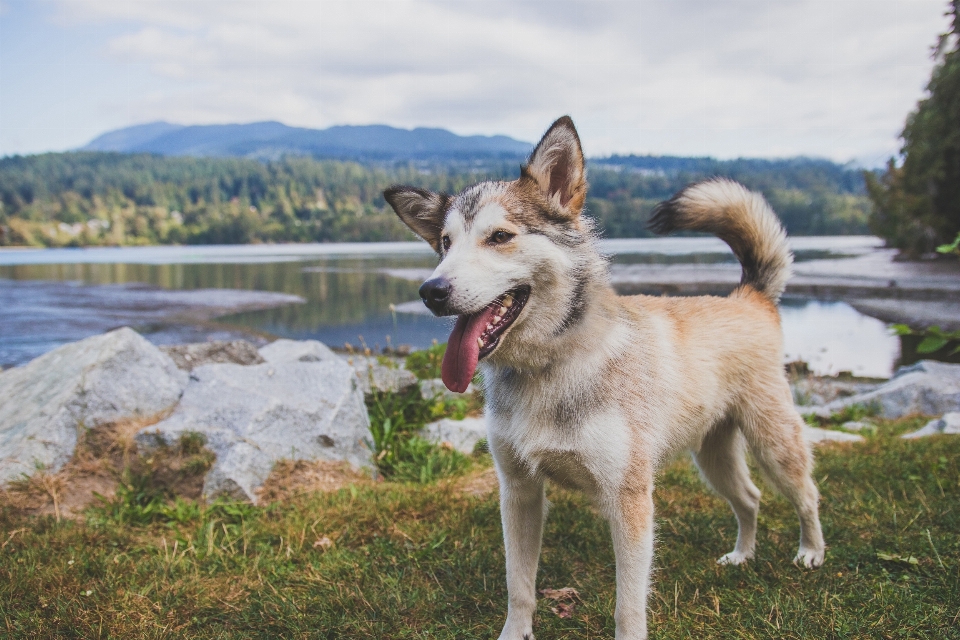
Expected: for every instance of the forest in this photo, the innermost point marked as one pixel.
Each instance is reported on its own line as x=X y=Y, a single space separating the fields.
x=103 y=198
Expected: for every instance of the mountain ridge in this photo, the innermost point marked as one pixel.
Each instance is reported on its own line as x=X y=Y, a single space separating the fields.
x=270 y=140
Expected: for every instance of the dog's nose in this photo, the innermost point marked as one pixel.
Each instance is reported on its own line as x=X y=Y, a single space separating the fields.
x=435 y=294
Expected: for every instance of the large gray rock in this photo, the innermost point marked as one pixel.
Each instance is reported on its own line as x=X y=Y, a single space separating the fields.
x=372 y=375
x=284 y=350
x=927 y=388
x=949 y=424
x=462 y=435
x=256 y=415
x=46 y=403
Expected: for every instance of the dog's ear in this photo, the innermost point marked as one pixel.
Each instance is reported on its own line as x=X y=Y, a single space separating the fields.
x=423 y=211
x=558 y=168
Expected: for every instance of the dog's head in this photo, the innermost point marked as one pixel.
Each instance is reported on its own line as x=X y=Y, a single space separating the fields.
x=510 y=254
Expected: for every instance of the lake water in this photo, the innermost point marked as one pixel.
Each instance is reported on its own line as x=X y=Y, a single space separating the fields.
x=353 y=293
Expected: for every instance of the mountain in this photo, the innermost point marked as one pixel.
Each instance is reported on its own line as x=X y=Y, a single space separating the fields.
x=271 y=140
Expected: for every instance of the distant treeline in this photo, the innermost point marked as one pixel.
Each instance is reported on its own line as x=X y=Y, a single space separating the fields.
x=93 y=198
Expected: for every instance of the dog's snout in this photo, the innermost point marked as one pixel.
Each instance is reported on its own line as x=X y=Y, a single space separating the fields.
x=435 y=294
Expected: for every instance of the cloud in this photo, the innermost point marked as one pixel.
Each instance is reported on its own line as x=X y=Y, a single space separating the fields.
x=740 y=77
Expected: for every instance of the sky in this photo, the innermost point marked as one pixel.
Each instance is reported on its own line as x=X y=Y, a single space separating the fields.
x=724 y=78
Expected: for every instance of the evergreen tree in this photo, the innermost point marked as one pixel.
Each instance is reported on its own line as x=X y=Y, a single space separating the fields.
x=917 y=205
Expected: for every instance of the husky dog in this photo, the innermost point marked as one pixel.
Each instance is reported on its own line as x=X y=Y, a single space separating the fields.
x=593 y=391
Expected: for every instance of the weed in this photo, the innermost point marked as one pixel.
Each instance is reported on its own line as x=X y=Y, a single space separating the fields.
x=150 y=479
x=425 y=363
x=933 y=338
x=854 y=413
x=399 y=453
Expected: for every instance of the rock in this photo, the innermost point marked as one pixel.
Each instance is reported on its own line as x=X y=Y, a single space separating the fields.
x=462 y=434
x=190 y=356
x=430 y=389
x=949 y=424
x=105 y=378
x=858 y=425
x=254 y=416
x=373 y=375
x=927 y=387
x=816 y=391
x=816 y=435
x=388 y=376
x=296 y=351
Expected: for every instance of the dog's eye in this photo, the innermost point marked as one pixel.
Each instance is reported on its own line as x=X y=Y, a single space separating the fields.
x=501 y=236
x=446 y=242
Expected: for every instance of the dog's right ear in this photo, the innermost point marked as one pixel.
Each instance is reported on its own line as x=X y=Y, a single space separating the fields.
x=557 y=166
x=423 y=211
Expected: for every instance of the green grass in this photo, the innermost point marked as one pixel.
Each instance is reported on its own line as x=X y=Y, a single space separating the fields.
x=398 y=452
x=423 y=561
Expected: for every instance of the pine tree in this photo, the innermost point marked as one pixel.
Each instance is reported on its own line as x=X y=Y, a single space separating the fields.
x=917 y=205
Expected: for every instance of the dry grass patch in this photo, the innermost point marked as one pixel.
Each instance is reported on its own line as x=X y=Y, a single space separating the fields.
x=292 y=478
x=106 y=459
x=479 y=482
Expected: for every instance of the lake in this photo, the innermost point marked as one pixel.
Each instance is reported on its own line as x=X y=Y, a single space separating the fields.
x=352 y=293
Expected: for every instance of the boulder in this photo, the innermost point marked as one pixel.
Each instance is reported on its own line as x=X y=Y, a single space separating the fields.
x=816 y=435
x=284 y=350
x=463 y=435
x=190 y=356
x=430 y=389
x=374 y=375
x=949 y=424
x=927 y=388
x=46 y=403
x=383 y=374
x=253 y=416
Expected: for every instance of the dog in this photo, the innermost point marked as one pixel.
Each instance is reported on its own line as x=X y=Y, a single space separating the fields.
x=592 y=391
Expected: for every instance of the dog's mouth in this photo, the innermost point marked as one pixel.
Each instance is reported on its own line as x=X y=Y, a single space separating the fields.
x=477 y=335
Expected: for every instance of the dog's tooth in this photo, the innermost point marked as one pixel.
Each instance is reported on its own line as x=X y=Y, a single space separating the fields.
x=508 y=301
x=489 y=326
x=503 y=311
x=480 y=342
x=497 y=319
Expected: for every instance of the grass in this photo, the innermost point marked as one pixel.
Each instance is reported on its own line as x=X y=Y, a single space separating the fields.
x=399 y=453
x=408 y=560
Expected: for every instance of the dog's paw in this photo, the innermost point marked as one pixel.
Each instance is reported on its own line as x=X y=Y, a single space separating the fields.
x=735 y=557
x=810 y=558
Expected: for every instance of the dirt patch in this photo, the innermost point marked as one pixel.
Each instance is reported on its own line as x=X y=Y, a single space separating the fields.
x=290 y=478
x=479 y=483
x=106 y=458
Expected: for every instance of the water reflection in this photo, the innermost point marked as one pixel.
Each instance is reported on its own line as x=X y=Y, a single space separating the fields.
x=349 y=292
x=833 y=336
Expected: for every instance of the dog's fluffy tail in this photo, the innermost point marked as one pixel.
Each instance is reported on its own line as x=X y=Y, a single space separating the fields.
x=740 y=218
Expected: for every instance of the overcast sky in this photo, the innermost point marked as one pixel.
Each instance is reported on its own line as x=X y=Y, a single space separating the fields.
x=727 y=78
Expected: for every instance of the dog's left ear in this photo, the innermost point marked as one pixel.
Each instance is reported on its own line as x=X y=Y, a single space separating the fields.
x=421 y=210
x=558 y=168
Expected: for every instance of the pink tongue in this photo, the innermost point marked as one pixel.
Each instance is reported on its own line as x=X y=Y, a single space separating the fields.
x=463 y=352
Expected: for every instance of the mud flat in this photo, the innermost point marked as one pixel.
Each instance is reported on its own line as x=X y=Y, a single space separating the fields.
x=39 y=315
x=917 y=293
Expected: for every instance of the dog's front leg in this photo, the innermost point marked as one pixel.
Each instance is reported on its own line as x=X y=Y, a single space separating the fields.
x=522 y=510
x=631 y=524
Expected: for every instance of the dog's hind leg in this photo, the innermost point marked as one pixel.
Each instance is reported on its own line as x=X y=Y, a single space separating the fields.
x=774 y=431
x=722 y=461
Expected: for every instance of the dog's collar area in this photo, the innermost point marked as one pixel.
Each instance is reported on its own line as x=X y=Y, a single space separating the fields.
x=506 y=309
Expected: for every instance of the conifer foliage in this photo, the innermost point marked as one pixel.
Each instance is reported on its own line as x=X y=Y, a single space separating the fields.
x=917 y=204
